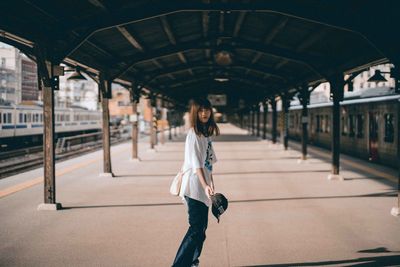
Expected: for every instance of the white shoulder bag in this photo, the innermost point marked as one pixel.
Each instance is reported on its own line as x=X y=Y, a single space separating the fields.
x=175 y=187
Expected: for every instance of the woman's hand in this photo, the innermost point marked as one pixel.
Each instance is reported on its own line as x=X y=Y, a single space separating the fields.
x=209 y=191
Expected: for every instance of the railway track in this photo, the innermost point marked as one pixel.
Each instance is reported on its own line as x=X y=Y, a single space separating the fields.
x=22 y=160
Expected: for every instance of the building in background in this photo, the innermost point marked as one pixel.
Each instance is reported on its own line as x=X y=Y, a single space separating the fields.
x=29 y=80
x=360 y=83
x=77 y=93
x=10 y=75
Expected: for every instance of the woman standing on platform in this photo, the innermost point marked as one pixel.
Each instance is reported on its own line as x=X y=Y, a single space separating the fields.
x=197 y=183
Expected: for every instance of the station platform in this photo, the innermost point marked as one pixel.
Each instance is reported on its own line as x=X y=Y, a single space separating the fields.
x=281 y=213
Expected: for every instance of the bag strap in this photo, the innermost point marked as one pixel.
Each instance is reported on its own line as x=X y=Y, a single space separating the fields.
x=183 y=172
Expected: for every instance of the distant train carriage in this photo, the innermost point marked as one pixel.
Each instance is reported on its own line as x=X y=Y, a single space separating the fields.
x=23 y=124
x=368 y=127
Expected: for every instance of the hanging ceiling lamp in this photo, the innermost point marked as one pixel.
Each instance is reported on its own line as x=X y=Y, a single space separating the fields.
x=76 y=76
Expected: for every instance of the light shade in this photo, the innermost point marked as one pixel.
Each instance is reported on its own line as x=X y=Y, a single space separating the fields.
x=223 y=58
x=221 y=79
x=377 y=77
x=77 y=75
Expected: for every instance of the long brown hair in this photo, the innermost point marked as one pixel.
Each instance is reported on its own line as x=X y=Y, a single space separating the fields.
x=211 y=127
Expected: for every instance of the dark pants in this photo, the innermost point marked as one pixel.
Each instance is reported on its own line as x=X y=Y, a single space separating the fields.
x=190 y=248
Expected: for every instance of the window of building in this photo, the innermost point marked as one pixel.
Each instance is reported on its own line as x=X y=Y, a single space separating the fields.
x=21 y=117
x=345 y=128
x=327 y=124
x=7 y=118
x=291 y=121
x=389 y=128
x=360 y=126
x=322 y=123
x=3 y=62
x=41 y=117
x=318 y=124
x=0 y=118
x=352 y=131
x=344 y=125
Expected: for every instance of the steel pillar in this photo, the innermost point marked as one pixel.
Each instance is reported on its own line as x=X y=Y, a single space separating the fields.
x=258 y=120
x=162 y=137
x=253 y=115
x=285 y=108
x=241 y=119
x=249 y=122
x=396 y=210
x=135 y=96
x=337 y=84
x=265 y=114
x=304 y=100
x=274 y=120
x=105 y=89
x=152 y=124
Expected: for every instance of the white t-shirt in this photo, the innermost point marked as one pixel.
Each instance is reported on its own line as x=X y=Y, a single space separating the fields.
x=199 y=153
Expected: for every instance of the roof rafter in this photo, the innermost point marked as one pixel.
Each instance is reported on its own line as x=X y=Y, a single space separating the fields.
x=241 y=64
x=281 y=24
x=168 y=30
x=239 y=22
x=309 y=61
x=128 y=36
x=124 y=16
x=205 y=23
x=238 y=77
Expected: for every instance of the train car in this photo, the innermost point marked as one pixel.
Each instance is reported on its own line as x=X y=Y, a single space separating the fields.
x=368 y=127
x=22 y=125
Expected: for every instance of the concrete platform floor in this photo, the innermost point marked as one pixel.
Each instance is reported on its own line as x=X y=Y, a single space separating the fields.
x=281 y=213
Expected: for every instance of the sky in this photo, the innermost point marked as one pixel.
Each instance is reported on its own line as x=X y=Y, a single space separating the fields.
x=3 y=45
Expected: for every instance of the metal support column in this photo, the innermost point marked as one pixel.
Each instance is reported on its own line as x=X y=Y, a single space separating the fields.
x=265 y=114
x=48 y=83
x=258 y=120
x=396 y=210
x=169 y=119
x=105 y=89
x=285 y=108
x=162 y=137
x=337 y=87
x=241 y=119
x=152 y=123
x=274 y=120
x=304 y=98
x=135 y=96
x=253 y=115
x=248 y=122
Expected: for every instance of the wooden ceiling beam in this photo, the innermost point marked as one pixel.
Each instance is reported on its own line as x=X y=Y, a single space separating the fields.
x=205 y=23
x=239 y=22
x=168 y=30
x=128 y=36
x=281 y=24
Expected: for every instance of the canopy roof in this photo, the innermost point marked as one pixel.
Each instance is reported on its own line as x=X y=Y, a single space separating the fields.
x=179 y=48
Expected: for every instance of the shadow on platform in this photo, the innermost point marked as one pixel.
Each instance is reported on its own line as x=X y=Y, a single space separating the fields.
x=392 y=260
